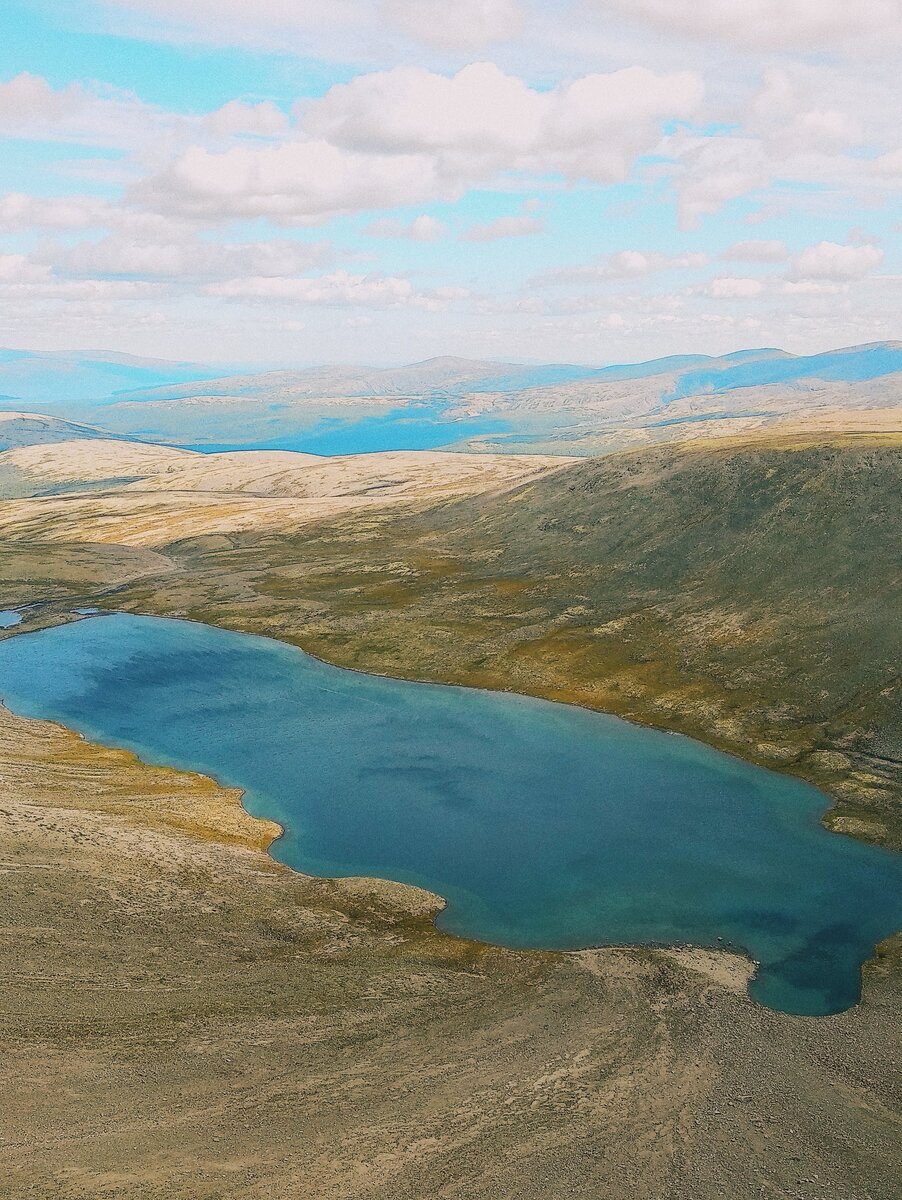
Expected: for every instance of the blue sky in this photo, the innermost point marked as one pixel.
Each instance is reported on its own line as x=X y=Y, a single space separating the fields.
x=300 y=181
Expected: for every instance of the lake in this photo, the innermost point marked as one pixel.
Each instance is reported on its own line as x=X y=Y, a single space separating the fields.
x=543 y=825
x=414 y=427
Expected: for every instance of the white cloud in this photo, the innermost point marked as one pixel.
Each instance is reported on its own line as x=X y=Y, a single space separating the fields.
x=769 y=24
x=479 y=111
x=23 y=280
x=335 y=30
x=291 y=183
x=339 y=289
x=96 y=115
x=184 y=261
x=731 y=288
x=756 y=250
x=504 y=227
x=809 y=123
x=812 y=287
x=461 y=25
x=889 y=165
x=713 y=171
x=836 y=263
x=19 y=211
x=809 y=139
x=482 y=120
x=421 y=229
x=782 y=112
x=625 y=264
x=257 y=120
x=408 y=136
x=18 y=268
x=264 y=23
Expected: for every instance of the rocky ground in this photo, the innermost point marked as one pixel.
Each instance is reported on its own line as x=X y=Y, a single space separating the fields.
x=183 y=1018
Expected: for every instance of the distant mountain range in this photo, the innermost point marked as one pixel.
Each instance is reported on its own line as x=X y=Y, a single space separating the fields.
x=29 y=378
x=459 y=402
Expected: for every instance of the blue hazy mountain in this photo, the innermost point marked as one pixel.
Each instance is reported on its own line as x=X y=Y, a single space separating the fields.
x=449 y=401
x=30 y=379
x=50 y=380
x=854 y=365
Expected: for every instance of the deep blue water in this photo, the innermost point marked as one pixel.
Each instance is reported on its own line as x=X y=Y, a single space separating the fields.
x=543 y=825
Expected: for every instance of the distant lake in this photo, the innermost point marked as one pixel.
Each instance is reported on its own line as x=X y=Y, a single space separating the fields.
x=543 y=825
x=409 y=428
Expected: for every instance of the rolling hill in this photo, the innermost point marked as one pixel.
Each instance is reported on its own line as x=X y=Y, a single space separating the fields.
x=744 y=591
x=37 y=429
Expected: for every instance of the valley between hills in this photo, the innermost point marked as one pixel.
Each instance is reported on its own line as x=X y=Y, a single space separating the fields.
x=180 y=992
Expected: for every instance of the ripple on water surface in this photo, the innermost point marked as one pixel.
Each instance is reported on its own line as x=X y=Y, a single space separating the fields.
x=543 y=825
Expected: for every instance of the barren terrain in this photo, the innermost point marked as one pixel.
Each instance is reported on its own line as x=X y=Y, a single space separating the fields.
x=183 y=1018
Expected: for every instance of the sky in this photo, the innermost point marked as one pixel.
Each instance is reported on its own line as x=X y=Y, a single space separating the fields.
x=287 y=182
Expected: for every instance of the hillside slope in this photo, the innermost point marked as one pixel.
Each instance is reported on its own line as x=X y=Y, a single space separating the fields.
x=37 y=429
x=746 y=593
x=112 y=492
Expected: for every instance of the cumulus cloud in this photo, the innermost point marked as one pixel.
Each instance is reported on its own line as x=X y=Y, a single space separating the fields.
x=23 y=279
x=421 y=229
x=730 y=288
x=889 y=165
x=409 y=135
x=504 y=227
x=482 y=119
x=625 y=264
x=463 y=25
x=782 y=112
x=184 y=261
x=291 y=183
x=19 y=211
x=756 y=250
x=18 y=268
x=404 y=138
x=836 y=263
x=812 y=287
x=338 y=289
x=768 y=24
x=806 y=123
x=256 y=120
x=713 y=171
x=96 y=115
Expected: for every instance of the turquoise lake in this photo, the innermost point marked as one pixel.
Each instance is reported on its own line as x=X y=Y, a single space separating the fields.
x=541 y=824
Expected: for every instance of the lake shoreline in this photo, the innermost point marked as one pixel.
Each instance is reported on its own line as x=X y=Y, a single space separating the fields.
x=200 y=1008
x=276 y=833
x=832 y=819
